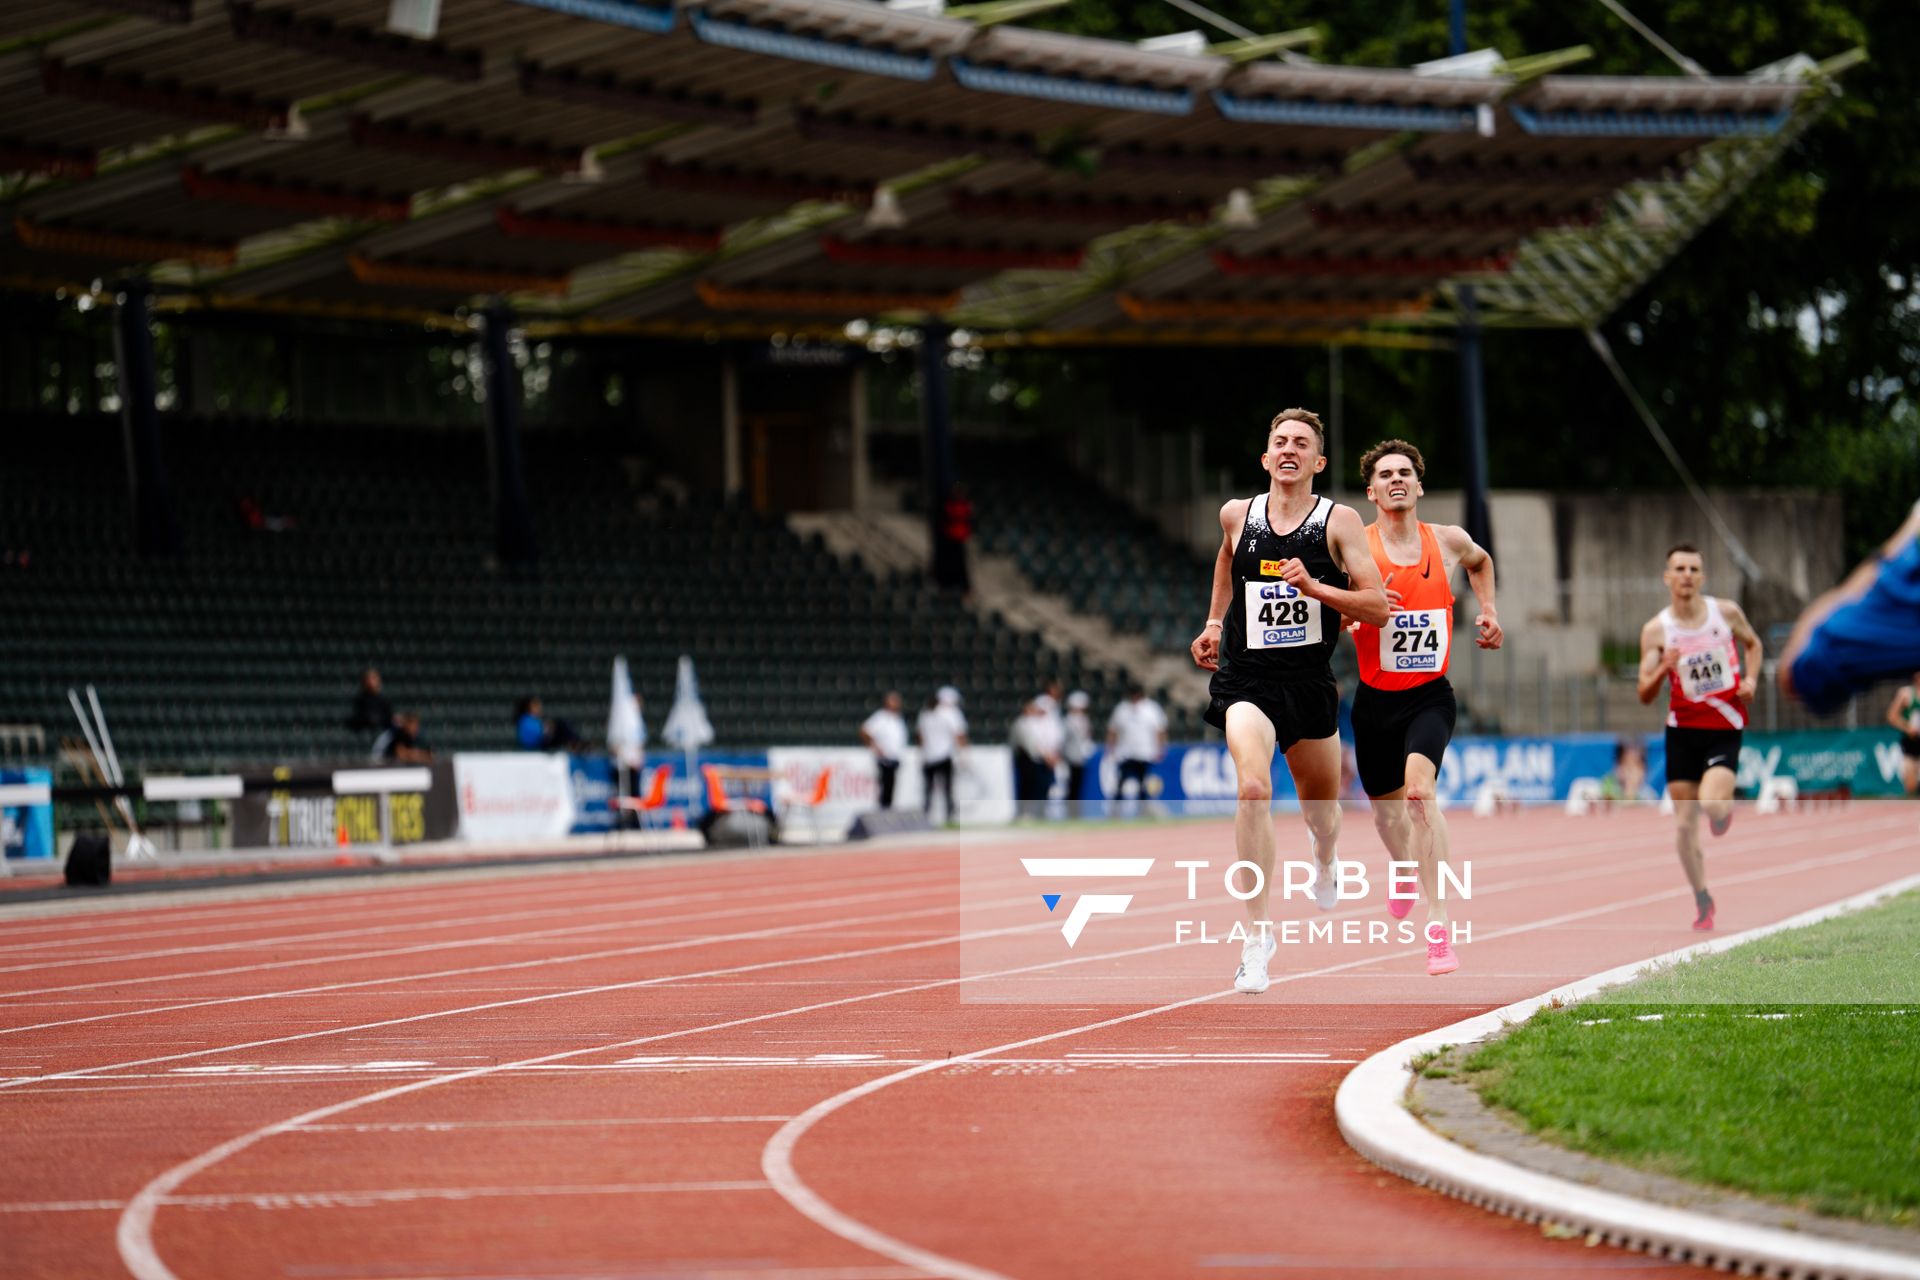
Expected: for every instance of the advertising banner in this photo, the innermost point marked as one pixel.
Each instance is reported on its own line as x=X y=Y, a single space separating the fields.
x=293 y=807
x=1866 y=762
x=1198 y=777
x=513 y=795
x=26 y=830
x=593 y=779
x=982 y=786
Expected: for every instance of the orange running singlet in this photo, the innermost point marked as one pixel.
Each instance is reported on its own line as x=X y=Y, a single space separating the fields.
x=1413 y=648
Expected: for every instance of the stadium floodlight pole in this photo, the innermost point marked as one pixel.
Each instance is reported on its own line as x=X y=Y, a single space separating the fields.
x=155 y=530
x=1477 y=515
x=506 y=471
x=936 y=422
x=1477 y=518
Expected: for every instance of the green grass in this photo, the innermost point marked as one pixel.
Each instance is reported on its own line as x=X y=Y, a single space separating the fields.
x=1788 y=1068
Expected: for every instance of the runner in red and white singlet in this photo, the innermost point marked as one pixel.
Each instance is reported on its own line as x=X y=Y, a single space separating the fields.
x=1708 y=655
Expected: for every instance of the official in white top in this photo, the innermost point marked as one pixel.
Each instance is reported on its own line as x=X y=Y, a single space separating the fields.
x=1077 y=746
x=943 y=731
x=885 y=733
x=1037 y=738
x=1137 y=737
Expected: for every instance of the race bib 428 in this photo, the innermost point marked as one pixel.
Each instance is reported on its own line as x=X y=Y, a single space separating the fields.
x=1279 y=617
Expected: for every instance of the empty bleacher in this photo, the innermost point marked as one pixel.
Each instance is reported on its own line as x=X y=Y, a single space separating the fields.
x=248 y=646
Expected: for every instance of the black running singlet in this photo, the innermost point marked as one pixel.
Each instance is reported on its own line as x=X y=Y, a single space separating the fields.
x=1271 y=630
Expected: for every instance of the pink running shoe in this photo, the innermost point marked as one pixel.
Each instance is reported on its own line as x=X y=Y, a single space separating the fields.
x=1440 y=957
x=1397 y=906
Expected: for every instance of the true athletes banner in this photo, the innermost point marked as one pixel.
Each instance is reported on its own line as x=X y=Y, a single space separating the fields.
x=293 y=807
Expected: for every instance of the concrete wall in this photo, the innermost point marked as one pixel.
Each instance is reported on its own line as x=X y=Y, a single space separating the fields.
x=1577 y=571
x=1616 y=545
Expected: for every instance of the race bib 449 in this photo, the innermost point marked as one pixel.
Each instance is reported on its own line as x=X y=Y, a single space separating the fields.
x=1705 y=672
x=1279 y=617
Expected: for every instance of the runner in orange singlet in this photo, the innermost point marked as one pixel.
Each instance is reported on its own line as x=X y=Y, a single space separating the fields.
x=1403 y=711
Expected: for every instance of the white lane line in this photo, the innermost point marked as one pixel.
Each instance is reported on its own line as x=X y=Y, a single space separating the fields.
x=1523 y=841
x=566 y=895
x=285 y=914
x=455 y=1126
x=390 y=1195
x=443 y=922
x=1358 y=909
x=455 y=944
x=776 y=1159
x=133 y=1235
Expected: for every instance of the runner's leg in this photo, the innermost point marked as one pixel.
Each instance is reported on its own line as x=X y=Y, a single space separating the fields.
x=1250 y=741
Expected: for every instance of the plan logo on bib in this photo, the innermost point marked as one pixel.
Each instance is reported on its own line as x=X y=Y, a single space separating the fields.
x=1087 y=905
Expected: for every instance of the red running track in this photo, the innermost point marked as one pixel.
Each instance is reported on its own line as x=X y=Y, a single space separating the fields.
x=776 y=1065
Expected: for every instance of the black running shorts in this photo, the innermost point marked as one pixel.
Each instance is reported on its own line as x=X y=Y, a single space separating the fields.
x=1691 y=752
x=1391 y=724
x=1301 y=710
x=1910 y=745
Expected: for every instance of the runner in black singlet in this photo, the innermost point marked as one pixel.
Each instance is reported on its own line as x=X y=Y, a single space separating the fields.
x=1291 y=566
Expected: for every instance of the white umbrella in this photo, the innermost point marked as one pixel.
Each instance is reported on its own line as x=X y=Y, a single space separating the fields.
x=626 y=732
x=687 y=726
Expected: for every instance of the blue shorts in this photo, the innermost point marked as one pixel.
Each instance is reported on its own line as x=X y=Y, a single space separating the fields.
x=1873 y=638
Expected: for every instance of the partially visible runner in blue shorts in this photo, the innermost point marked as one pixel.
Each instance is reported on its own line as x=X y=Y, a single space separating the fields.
x=1864 y=630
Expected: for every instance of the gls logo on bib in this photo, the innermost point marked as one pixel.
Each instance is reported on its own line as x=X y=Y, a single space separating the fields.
x=1279 y=617
x=1415 y=640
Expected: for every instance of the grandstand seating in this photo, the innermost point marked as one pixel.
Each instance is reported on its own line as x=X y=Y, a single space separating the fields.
x=247 y=647
x=1072 y=538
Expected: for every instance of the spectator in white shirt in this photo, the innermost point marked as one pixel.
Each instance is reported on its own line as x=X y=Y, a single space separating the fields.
x=943 y=731
x=1076 y=746
x=1037 y=740
x=1137 y=737
x=885 y=733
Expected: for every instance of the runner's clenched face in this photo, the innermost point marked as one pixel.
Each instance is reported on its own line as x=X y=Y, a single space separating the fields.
x=1293 y=454
x=1394 y=484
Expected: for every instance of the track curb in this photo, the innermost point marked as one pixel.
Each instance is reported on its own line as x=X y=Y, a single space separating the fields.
x=1376 y=1123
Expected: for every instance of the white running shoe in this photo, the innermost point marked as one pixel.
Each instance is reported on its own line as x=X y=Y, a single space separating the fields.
x=1251 y=977
x=1326 y=886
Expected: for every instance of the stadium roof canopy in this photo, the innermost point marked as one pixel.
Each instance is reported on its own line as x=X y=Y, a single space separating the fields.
x=753 y=166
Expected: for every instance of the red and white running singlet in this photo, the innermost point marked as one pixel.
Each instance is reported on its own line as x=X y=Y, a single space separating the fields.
x=1414 y=647
x=1700 y=691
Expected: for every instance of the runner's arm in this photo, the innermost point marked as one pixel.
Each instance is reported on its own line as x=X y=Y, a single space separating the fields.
x=1206 y=646
x=1474 y=558
x=1855 y=586
x=1364 y=598
x=1895 y=710
x=1752 y=650
x=1656 y=660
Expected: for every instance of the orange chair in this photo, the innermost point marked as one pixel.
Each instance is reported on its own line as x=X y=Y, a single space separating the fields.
x=652 y=802
x=719 y=802
x=813 y=800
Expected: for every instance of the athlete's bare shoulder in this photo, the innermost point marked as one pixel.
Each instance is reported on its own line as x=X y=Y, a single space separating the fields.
x=1653 y=632
x=1232 y=512
x=1344 y=519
